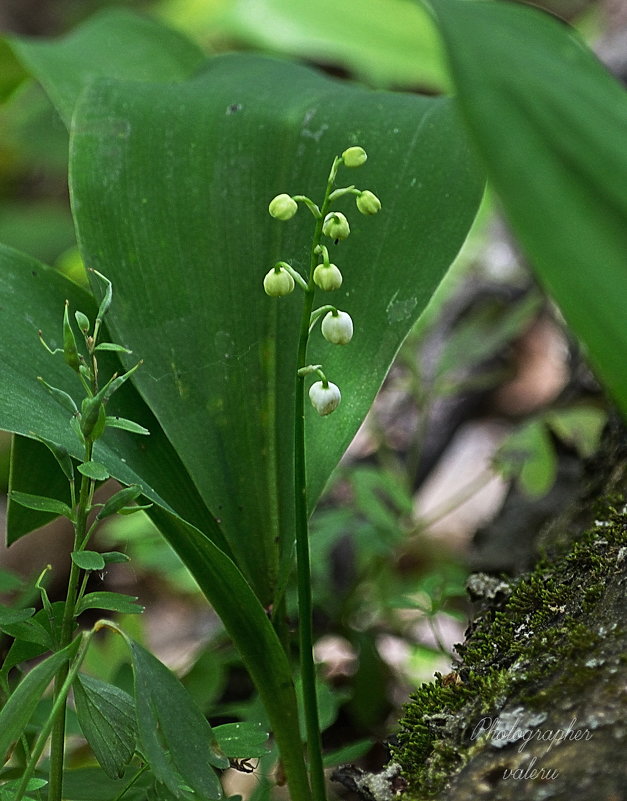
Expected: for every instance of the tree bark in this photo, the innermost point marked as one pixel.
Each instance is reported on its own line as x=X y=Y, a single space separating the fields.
x=537 y=709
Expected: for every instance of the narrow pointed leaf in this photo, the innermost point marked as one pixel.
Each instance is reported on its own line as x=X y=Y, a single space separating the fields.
x=550 y=123
x=34 y=469
x=106 y=298
x=118 y=501
x=63 y=458
x=131 y=510
x=115 y=557
x=70 y=350
x=106 y=715
x=17 y=711
x=112 y=346
x=111 y=601
x=62 y=397
x=126 y=425
x=41 y=504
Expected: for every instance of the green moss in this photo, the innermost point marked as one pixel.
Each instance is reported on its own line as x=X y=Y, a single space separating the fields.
x=545 y=624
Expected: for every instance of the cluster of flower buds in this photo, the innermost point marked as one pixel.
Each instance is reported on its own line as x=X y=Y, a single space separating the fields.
x=336 y=325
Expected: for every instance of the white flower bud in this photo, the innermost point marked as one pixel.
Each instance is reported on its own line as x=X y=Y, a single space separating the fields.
x=336 y=225
x=327 y=277
x=283 y=207
x=324 y=399
x=368 y=202
x=354 y=156
x=278 y=282
x=337 y=328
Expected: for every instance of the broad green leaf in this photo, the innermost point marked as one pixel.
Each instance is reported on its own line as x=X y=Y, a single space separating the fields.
x=550 y=123
x=112 y=601
x=21 y=704
x=165 y=710
x=242 y=740
x=88 y=560
x=106 y=715
x=231 y=174
x=386 y=43
x=41 y=504
x=226 y=402
x=94 y=470
x=114 y=42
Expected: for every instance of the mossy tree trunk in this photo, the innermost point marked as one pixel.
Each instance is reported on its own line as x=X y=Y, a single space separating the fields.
x=537 y=709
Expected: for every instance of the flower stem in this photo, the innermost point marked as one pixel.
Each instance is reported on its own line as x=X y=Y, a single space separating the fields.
x=305 y=606
x=57 y=712
x=57 y=740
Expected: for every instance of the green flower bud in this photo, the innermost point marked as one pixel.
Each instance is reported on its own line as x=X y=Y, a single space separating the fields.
x=336 y=225
x=324 y=399
x=337 y=328
x=93 y=418
x=368 y=202
x=283 y=207
x=70 y=351
x=354 y=156
x=327 y=277
x=278 y=282
x=83 y=321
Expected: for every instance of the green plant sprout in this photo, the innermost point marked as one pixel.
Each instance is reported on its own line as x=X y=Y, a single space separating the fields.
x=325 y=396
x=89 y=424
x=117 y=727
